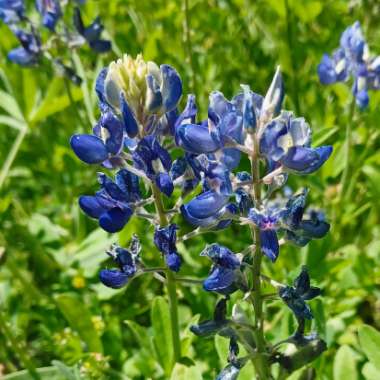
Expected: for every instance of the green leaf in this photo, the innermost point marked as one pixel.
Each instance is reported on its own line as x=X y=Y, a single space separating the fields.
x=12 y=122
x=46 y=373
x=221 y=346
x=141 y=335
x=79 y=319
x=66 y=371
x=162 y=336
x=9 y=104
x=369 y=339
x=182 y=372
x=370 y=372
x=345 y=364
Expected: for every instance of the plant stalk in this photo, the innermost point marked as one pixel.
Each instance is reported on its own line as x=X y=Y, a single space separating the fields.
x=260 y=361
x=347 y=146
x=17 y=347
x=170 y=281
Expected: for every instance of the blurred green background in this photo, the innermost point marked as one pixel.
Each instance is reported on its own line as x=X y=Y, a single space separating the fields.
x=50 y=253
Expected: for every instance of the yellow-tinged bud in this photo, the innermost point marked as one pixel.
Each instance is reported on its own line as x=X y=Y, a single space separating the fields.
x=128 y=76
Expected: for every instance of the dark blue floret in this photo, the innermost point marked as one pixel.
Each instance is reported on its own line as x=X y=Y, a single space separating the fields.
x=296 y=295
x=91 y=33
x=113 y=278
x=221 y=280
x=29 y=52
x=165 y=241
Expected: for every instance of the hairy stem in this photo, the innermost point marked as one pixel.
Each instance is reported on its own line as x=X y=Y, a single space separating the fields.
x=170 y=281
x=347 y=146
x=18 y=348
x=260 y=361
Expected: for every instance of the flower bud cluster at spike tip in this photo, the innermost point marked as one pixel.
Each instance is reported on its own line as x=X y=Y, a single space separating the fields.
x=147 y=88
x=352 y=59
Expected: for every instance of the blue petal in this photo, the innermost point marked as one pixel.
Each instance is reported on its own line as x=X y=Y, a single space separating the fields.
x=171 y=87
x=115 y=219
x=153 y=101
x=195 y=138
x=206 y=204
x=113 y=278
x=300 y=159
x=255 y=216
x=91 y=206
x=326 y=70
x=230 y=158
x=229 y=373
x=362 y=99
x=178 y=168
x=221 y=280
x=314 y=229
x=130 y=122
x=129 y=184
x=99 y=84
x=323 y=152
x=189 y=113
x=164 y=183
x=270 y=137
x=173 y=261
x=115 y=128
x=221 y=255
x=89 y=148
x=269 y=244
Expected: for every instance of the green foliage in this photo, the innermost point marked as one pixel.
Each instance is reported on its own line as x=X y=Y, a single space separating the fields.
x=50 y=253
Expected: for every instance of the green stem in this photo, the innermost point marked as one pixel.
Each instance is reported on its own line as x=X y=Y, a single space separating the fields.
x=170 y=281
x=12 y=155
x=17 y=347
x=347 y=146
x=260 y=361
x=189 y=46
x=293 y=59
x=73 y=103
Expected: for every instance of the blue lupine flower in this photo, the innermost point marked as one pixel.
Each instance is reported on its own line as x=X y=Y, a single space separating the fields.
x=296 y=295
x=29 y=52
x=286 y=141
x=221 y=255
x=352 y=58
x=268 y=221
x=126 y=261
x=165 y=241
x=150 y=157
x=313 y=227
x=91 y=33
x=113 y=204
x=243 y=200
x=105 y=145
x=12 y=11
x=207 y=209
x=50 y=11
x=218 y=133
x=224 y=277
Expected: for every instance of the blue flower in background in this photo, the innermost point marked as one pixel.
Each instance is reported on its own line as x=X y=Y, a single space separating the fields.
x=126 y=261
x=224 y=277
x=296 y=295
x=29 y=53
x=155 y=161
x=113 y=204
x=91 y=33
x=286 y=141
x=352 y=59
x=12 y=11
x=165 y=241
x=50 y=11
